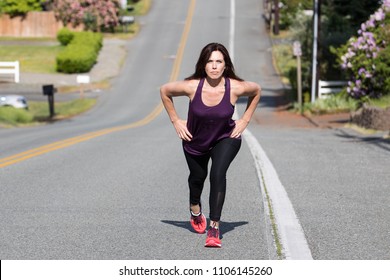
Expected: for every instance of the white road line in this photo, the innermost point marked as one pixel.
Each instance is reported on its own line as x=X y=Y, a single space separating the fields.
x=289 y=230
x=232 y=28
x=275 y=197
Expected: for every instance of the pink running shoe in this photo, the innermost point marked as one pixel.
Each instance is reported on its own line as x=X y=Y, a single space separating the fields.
x=198 y=222
x=212 y=239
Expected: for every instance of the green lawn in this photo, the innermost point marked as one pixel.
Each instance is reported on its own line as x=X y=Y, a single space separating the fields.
x=33 y=59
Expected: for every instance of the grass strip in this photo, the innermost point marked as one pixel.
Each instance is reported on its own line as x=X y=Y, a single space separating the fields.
x=38 y=112
x=274 y=226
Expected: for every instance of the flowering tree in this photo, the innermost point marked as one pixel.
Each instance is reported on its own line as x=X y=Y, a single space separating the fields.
x=363 y=55
x=69 y=11
x=95 y=14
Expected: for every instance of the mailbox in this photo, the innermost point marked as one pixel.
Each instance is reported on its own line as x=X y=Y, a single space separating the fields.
x=48 y=90
x=126 y=20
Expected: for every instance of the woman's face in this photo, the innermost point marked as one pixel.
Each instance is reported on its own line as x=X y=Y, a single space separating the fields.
x=215 y=66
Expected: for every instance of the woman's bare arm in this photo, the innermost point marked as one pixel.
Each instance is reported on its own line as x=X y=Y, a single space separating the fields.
x=253 y=91
x=167 y=92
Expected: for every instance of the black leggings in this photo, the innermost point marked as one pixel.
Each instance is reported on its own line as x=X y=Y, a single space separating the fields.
x=222 y=154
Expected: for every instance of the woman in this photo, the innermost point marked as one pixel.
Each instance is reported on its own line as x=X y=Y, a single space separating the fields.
x=210 y=132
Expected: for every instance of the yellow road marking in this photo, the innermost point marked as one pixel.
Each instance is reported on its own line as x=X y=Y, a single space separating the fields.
x=85 y=137
x=183 y=41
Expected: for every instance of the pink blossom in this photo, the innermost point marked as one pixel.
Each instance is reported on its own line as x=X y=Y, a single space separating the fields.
x=379 y=15
x=386 y=5
x=74 y=11
x=362 y=51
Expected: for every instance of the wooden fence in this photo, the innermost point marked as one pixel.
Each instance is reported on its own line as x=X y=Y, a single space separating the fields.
x=34 y=24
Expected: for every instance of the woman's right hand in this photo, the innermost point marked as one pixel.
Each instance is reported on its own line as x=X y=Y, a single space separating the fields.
x=182 y=130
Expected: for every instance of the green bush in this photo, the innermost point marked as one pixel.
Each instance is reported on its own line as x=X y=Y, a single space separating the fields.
x=333 y=104
x=81 y=53
x=365 y=58
x=94 y=40
x=382 y=79
x=76 y=59
x=65 y=36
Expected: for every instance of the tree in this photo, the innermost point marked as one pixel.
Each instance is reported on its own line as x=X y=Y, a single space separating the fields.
x=339 y=21
x=356 y=11
x=20 y=7
x=94 y=14
x=289 y=10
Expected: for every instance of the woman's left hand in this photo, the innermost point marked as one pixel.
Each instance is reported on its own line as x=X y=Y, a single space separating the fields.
x=239 y=128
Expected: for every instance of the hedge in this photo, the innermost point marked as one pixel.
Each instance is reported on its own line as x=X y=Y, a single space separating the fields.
x=81 y=52
x=65 y=36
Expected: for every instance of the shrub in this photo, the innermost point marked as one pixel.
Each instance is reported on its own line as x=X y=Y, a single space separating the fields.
x=338 y=103
x=366 y=57
x=81 y=53
x=94 y=40
x=334 y=104
x=76 y=59
x=382 y=70
x=65 y=36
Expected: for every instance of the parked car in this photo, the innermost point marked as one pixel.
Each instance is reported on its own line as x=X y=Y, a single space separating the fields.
x=16 y=101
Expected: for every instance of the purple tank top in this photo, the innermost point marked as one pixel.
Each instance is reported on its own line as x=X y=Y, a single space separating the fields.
x=208 y=124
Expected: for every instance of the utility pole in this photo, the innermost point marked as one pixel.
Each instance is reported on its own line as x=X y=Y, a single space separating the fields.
x=276 y=25
x=314 y=79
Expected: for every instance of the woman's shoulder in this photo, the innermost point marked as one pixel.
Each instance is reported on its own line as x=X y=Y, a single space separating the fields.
x=192 y=82
x=183 y=87
x=241 y=87
x=190 y=85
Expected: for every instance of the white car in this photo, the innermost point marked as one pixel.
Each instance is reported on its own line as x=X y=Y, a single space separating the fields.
x=16 y=101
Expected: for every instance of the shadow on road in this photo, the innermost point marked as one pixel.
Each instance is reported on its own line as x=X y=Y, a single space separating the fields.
x=271 y=97
x=227 y=226
x=378 y=141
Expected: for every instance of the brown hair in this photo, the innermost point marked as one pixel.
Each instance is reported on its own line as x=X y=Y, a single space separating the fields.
x=204 y=57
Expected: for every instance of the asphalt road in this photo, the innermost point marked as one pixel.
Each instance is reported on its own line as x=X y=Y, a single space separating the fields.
x=117 y=187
